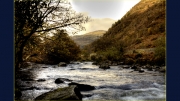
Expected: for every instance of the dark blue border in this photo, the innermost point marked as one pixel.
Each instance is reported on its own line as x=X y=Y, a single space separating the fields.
x=6 y=50
x=173 y=50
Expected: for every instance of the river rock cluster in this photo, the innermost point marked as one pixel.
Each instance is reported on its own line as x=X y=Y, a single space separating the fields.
x=136 y=67
x=72 y=92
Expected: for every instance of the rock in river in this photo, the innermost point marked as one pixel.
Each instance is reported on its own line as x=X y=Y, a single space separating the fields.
x=59 y=80
x=104 y=66
x=141 y=70
x=63 y=64
x=134 y=67
x=68 y=93
x=83 y=87
x=41 y=80
x=94 y=63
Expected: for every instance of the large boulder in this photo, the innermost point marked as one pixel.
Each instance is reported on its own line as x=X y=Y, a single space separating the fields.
x=62 y=64
x=83 y=87
x=68 y=93
x=104 y=66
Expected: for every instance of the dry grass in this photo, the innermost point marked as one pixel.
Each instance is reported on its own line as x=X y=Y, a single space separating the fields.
x=142 y=25
x=138 y=29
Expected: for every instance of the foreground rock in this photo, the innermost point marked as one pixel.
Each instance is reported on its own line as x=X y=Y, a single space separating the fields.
x=83 y=87
x=68 y=93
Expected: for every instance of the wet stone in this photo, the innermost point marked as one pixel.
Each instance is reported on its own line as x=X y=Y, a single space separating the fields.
x=83 y=87
x=41 y=80
x=58 y=81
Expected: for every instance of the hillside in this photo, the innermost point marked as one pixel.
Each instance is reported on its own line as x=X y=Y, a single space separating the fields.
x=143 y=27
x=87 y=38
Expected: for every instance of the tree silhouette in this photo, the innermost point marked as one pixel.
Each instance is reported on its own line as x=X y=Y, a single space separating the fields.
x=37 y=16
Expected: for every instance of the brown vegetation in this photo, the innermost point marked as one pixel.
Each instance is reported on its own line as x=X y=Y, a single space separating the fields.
x=140 y=28
x=52 y=50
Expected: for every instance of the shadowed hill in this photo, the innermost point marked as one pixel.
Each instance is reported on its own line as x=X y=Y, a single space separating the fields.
x=87 y=38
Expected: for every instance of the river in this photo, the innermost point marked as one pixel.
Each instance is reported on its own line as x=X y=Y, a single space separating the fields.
x=111 y=84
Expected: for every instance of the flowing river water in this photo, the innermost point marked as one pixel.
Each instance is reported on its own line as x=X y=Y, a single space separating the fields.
x=111 y=84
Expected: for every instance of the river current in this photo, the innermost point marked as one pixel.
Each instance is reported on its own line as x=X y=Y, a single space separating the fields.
x=111 y=84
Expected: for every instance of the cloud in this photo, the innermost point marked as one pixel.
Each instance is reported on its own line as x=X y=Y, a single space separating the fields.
x=113 y=9
x=98 y=24
x=102 y=12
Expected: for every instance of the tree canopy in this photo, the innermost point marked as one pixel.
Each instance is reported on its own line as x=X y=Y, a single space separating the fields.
x=34 y=18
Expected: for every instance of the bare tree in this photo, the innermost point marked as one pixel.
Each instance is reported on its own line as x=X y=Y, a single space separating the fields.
x=37 y=16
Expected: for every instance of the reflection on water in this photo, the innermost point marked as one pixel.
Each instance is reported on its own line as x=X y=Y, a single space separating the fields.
x=111 y=84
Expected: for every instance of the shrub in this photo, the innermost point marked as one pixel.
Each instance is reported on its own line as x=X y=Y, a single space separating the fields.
x=160 y=51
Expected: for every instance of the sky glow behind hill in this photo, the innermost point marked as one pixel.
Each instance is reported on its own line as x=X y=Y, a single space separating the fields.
x=102 y=12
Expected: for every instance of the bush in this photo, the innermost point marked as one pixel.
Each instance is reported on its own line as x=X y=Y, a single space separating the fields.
x=55 y=49
x=160 y=51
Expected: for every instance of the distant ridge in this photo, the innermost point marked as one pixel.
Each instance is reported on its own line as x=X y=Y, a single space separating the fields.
x=87 y=38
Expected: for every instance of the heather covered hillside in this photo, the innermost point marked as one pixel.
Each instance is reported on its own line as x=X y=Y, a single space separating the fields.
x=137 y=37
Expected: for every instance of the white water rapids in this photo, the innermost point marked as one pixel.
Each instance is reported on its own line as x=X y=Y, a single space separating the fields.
x=111 y=84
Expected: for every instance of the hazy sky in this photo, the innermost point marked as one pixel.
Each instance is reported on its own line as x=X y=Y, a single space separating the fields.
x=103 y=12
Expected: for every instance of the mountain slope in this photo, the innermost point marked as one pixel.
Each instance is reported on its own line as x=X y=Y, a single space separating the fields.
x=87 y=38
x=140 y=28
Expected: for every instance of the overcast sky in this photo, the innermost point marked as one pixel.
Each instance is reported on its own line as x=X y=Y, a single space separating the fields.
x=103 y=12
